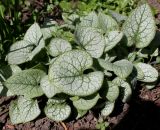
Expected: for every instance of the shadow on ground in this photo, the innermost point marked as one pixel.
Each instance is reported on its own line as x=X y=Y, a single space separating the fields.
x=142 y=115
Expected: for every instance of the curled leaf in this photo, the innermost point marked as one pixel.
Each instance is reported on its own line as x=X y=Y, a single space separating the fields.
x=107 y=110
x=126 y=89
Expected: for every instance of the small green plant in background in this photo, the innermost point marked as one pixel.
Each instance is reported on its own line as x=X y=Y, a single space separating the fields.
x=102 y=62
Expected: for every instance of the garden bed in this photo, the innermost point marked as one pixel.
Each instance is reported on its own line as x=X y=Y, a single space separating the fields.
x=141 y=110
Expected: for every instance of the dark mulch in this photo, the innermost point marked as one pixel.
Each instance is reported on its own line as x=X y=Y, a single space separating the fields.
x=141 y=113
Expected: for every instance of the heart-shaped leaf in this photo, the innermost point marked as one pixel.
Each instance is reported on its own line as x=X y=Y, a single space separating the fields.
x=86 y=103
x=23 y=110
x=67 y=73
x=26 y=83
x=90 y=39
x=140 y=27
x=58 y=46
x=34 y=35
x=57 y=111
x=48 y=87
x=150 y=73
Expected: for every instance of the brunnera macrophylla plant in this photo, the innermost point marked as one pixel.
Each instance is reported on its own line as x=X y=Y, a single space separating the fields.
x=104 y=63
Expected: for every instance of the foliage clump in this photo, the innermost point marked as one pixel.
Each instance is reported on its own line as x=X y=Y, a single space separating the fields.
x=102 y=63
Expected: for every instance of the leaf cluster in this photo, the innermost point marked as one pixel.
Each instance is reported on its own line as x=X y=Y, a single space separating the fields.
x=102 y=63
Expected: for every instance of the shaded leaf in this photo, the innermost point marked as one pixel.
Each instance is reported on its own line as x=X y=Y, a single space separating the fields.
x=49 y=26
x=121 y=68
x=112 y=39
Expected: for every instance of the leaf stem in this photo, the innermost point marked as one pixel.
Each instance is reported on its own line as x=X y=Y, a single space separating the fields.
x=64 y=126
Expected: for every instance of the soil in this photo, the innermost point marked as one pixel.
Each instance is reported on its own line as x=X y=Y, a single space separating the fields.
x=141 y=113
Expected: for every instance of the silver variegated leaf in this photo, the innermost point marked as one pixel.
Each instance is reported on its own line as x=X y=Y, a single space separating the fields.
x=108 y=108
x=23 y=110
x=58 y=46
x=149 y=72
x=140 y=27
x=57 y=111
x=86 y=103
x=112 y=92
x=90 y=39
x=26 y=83
x=112 y=39
x=127 y=90
x=107 y=23
x=49 y=87
x=67 y=73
